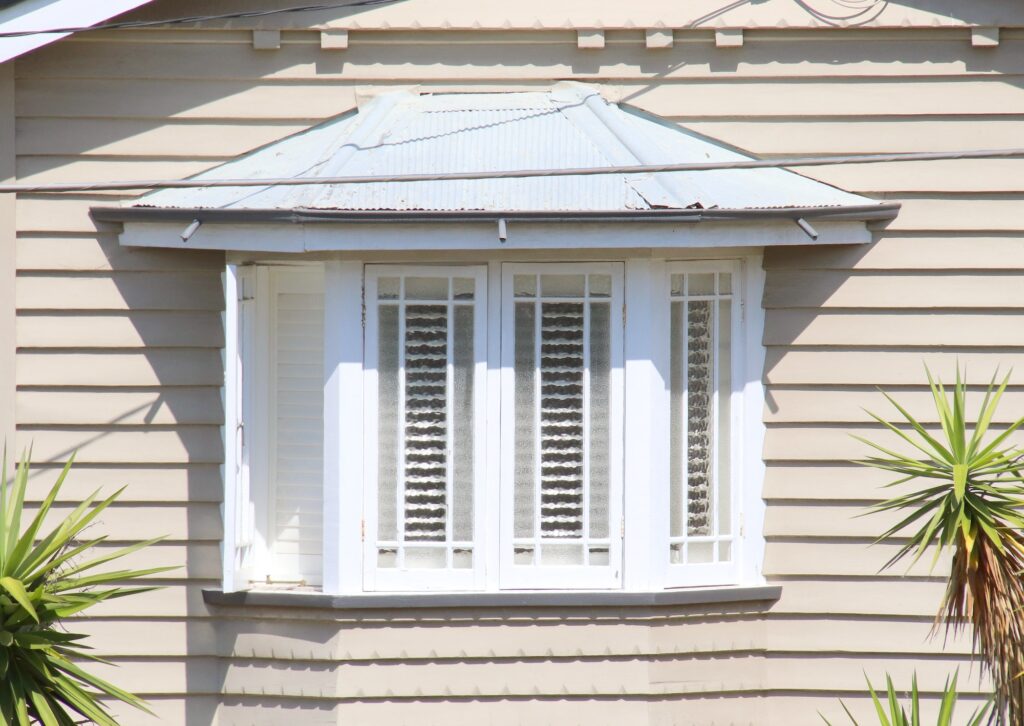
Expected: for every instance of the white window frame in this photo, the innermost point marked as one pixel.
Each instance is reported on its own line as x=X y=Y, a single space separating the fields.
x=536 y=577
x=396 y=579
x=643 y=423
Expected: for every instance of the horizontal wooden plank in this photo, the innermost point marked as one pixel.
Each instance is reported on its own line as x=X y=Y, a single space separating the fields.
x=843 y=559
x=963 y=175
x=144 y=483
x=861 y=635
x=111 y=445
x=785 y=366
x=192 y=522
x=486 y=59
x=121 y=291
x=837 y=289
x=818 y=327
x=958 y=213
x=57 y=215
x=169 y=406
x=154 y=367
x=196 y=563
x=71 y=168
x=831 y=520
x=863 y=596
x=832 y=442
x=969 y=251
x=851 y=406
x=103 y=252
x=823 y=481
x=162 y=329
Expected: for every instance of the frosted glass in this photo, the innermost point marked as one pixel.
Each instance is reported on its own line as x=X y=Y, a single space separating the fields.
x=724 y=282
x=387 y=422
x=677 y=422
x=600 y=286
x=425 y=558
x=463 y=288
x=525 y=285
x=724 y=490
x=463 y=423
x=699 y=389
x=561 y=419
x=388 y=288
x=678 y=282
x=426 y=288
x=561 y=554
x=600 y=405
x=699 y=553
x=702 y=284
x=525 y=430
x=426 y=428
x=562 y=285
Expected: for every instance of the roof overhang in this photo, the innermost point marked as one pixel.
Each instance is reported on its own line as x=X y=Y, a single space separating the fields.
x=299 y=231
x=32 y=15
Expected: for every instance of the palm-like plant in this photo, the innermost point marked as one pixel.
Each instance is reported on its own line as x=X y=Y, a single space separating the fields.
x=970 y=501
x=45 y=579
x=897 y=713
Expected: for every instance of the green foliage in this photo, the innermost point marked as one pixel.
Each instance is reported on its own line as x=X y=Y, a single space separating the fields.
x=970 y=500
x=893 y=713
x=45 y=579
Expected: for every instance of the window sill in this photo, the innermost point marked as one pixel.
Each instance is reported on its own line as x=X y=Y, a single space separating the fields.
x=318 y=600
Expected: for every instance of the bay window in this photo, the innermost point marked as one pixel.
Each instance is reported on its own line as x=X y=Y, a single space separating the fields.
x=504 y=425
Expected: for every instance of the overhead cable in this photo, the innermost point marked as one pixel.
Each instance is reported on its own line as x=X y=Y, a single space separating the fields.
x=796 y=161
x=132 y=24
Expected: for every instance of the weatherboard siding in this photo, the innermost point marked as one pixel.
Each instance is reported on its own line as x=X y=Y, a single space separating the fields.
x=119 y=357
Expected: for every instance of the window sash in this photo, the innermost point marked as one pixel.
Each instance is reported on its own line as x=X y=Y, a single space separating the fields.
x=693 y=553
x=408 y=542
x=513 y=575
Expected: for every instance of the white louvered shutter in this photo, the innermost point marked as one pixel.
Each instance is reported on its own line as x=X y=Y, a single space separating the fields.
x=704 y=322
x=425 y=366
x=562 y=398
x=296 y=378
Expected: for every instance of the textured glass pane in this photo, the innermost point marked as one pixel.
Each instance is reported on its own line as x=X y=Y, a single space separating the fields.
x=463 y=423
x=600 y=405
x=387 y=422
x=724 y=282
x=702 y=284
x=699 y=388
x=723 y=493
x=599 y=556
x=725 y=551
x=525 y=285
x=426 y=430
x=676 y=554
x=462 y=559
x=677 y=422
x=463 y=288
x=600 y=285
x=387 y=558
x=562 y=285
x=561 y=419
x=426 y=288
x=525 y=431
x=700 y=553
x=523 y=555
x=388 y=288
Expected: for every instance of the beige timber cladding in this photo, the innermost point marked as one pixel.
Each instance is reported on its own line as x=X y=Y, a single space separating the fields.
x=119 y=357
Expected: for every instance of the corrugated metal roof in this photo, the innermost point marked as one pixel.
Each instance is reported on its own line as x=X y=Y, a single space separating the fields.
x=570 y=126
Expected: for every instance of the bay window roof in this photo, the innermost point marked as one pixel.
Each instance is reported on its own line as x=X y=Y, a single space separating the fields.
x=569 y=126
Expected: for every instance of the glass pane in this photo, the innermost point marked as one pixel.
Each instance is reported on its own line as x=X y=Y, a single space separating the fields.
x=677 y=284
x=463 y=288
x=600 y=285
x=702 y=284
x=426 y=425
x=699 y=388
x=676 y=554
x=432 y=558
x=724 y=282
x=562 y=285
x=561 y=554
x=725 y=551
x=426 y=288
x=600 y=405
x=387 y=422
x=387 y=558
x=599 y=556
x=387 y=288
x=699 y=553
x=724 y=477
x=561 y=419
x=677 y=422
x=463 y=423
x=525 y=432
x=525 y=285
x=462 y=559
x=523 y=555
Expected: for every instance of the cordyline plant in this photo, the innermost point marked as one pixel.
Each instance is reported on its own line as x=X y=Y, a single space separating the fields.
x=896 y=714
x=45 y=579
x=970 y=500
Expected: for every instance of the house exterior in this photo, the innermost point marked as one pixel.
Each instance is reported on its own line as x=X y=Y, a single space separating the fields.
x=537 y=449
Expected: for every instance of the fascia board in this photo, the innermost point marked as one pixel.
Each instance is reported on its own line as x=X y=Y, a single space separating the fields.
x=43 y=14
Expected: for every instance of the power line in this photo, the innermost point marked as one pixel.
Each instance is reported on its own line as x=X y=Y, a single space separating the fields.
x=796 y=161
x=127 y=24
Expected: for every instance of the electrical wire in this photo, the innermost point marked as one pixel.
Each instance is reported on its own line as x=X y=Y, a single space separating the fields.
x=796 y=161
x=129 y=24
